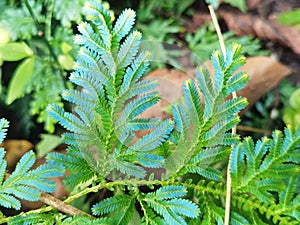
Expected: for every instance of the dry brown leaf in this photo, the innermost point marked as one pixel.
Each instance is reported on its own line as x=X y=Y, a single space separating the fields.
x=244 y=24
x=14 y=151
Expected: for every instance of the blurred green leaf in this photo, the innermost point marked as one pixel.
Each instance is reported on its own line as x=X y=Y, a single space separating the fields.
x=241 y=4
x=291 y=117
x=290 y=18
x=66 y=61
x=18 y=21
x=67 y=11
x=295 y=100
x=20 y=78
x=48 y=143
x=15 y=51
x=4 y=36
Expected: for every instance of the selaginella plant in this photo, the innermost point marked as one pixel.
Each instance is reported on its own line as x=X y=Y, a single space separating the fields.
x=189 y=154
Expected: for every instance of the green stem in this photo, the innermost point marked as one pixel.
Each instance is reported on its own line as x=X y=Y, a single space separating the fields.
x=38 y=25
x=48 y=21
x=133 y=182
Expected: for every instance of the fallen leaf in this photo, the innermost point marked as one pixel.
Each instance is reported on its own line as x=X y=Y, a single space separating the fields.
x=245 y=24
x=15 y=149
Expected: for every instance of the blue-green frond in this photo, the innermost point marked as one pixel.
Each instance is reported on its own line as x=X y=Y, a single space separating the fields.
x=136 y=107
x=229 y=107
x=110 y=204
x=169 y=192
x=181 y=120
x=129 y=168
x=207 y=172
x=81 y=98
x=236 y=164
x=234 y=60
x=210 y=155
x=218 y=64
x=87 y=82
x=148 y=160
x=140 y=87
x=192 y=102
x=144 y=123
x=3 y=129
x=216 y=133
x=9 y=201
x=291 y=141
x=277 y=142
x=166 y=213
x=27 y=193
x=183 y=207
x=153 y=139
x=124 y=24
x=27 y=184
x=89 y=38
x=286 y=195
x=87 y=117
x=74 y=162
x=205 y=85
x=135 y=71
x=167 y=203
x=100 y=17
x=66 y=119
x=128 y=49
x=3 y=164
x=25 y=163
x=236 y=82
x=89 y=61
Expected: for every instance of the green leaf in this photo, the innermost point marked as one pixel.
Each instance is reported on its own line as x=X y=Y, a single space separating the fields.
x=290 y=18
x=295 y=99
x=291 y=117
x=241 y=4
x=4 y=36
x=15 y=51
x=48 y=143
x=19 y=80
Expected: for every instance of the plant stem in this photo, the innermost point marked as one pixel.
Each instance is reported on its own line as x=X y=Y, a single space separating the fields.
x=218 y=29
x=61 y=206
x=253 y=129
x=48 y=21
x=234 y=95
x=37 y=24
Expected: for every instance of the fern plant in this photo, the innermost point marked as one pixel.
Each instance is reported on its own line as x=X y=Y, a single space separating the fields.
x=192 y=149
x=22 y=183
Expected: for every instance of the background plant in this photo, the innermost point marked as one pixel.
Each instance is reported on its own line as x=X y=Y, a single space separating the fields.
x=39 y=36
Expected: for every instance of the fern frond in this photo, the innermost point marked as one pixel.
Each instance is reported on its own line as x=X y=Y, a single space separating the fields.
x=201 y=127
x=109 y=69
x=27 y=184
x=124 y=23
x=122 y=207
x=154 y=139
x=81 y=171
x=128 y=49
x=166 y=203
x=264 y=168
x=3 y=129
x=33 y=218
